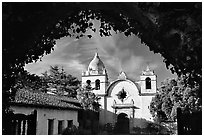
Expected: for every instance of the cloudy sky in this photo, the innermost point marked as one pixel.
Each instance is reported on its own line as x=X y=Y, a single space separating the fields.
x=117 y=52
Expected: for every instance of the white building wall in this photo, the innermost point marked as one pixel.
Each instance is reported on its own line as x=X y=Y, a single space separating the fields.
x=142 y=111
x=43 y=114
x=146 y=100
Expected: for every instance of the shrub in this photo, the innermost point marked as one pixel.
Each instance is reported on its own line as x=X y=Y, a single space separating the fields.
x=109 y=128
x=73 y=130
x=151 y=129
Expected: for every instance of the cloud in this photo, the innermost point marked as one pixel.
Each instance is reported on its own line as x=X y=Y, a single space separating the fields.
x=133 y=64
x=117 y=52
x=74 y=65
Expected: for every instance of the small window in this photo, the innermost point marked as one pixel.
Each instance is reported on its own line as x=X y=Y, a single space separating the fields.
x=69 y=123
x=50 y=126
x=97 y=84
x=60 y=126
x=148 y=83
x=88 y=82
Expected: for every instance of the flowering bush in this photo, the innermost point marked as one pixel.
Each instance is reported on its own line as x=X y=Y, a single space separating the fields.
x=87 y=98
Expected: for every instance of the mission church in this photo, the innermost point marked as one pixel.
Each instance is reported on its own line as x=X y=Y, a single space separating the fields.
x=123 y=101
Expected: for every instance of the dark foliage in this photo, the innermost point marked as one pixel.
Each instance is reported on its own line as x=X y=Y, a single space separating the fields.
x=152 y=129
x=173 y=94
x=58 y=81
x=28 y=81
x=71 y=131
x=87 y=99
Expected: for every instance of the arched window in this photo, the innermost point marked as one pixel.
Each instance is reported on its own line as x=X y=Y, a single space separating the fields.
x=97 y=84
x=148 y=83
x=88 y=82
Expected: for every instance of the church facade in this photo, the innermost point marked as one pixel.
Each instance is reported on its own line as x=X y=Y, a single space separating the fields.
x=124 y=102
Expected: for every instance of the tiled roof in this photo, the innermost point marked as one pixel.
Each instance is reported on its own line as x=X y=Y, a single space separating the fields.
x=24 y=97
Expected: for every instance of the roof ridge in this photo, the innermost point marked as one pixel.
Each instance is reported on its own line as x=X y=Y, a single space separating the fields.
x=44 y=99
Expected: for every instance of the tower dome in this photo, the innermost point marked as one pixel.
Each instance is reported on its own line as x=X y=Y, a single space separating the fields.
x=96 y=65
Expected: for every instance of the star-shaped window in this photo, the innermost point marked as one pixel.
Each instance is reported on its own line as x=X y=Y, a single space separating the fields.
x=122 y=95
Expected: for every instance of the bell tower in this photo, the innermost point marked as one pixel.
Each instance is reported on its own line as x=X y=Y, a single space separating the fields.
x=148 y=82
x=96 y=76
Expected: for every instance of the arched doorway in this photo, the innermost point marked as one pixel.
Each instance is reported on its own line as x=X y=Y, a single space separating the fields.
x=122 y=124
